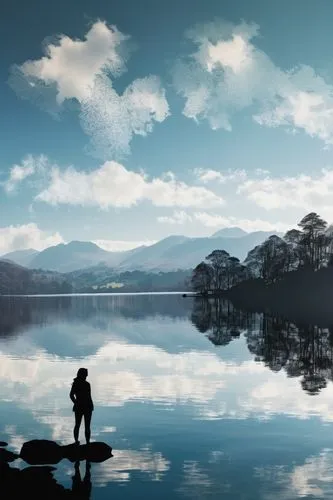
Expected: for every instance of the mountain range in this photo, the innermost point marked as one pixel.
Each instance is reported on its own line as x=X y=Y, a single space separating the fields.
x=169 y=254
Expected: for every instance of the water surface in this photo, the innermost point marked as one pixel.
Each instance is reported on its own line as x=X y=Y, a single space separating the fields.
x=197 y=399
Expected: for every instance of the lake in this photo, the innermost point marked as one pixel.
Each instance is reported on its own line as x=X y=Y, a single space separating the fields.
x=197 y=399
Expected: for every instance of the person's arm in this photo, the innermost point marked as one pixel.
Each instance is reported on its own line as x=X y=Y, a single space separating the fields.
x=72 y=394
x=89 y=392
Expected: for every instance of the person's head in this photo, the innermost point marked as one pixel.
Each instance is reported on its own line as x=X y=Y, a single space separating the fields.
x=82 y=373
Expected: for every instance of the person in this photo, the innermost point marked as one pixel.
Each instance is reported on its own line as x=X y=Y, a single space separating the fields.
x=80 y=394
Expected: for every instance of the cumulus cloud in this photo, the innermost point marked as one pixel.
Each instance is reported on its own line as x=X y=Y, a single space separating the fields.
x=210 y=175
x=83 y=70
x=28 y=167
x=26 y=236
x=249 y=225
x=213 y=220
x=178 y=217
x=304 y=191
x=112 y=185
x=228 y=73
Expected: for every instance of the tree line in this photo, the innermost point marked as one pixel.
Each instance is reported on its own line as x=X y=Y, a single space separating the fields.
x=308 y=247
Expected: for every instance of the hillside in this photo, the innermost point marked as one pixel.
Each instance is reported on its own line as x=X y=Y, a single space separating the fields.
x=103 y=279
x=21 y=257
x=15 y=279
x=76 y=255
x=179 y=252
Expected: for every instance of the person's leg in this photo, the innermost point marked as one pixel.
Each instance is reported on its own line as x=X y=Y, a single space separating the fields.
x=87 y=420
x=78 y=418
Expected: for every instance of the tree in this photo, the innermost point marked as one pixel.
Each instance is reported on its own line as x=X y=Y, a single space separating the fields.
x=201 y=279
x=218 y=261
x=270 y=260
x=312 y=241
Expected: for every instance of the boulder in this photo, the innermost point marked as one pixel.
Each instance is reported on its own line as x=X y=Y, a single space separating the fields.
x=44 y=452
x=41 y=452
x=7 y=456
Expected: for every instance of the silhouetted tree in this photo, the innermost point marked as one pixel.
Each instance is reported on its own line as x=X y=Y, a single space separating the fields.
x=218 y=261
x=202 y=276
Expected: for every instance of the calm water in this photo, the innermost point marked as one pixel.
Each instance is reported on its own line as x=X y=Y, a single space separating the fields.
x=197 y=400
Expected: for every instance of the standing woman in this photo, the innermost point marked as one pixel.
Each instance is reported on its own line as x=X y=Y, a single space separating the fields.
x=83 y=405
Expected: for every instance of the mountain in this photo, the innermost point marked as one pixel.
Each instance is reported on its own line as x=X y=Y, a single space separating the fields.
x=229 y=232
x=180 y=252
x=149 y=257
x=21 y=257
x=16 y=279
x=76 y=255
x=170 y=254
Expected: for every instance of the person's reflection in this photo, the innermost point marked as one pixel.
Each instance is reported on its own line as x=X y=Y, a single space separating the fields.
x=81 y=488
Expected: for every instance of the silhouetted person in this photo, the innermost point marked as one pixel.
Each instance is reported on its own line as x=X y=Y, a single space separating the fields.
x=81 y=489
x=83 y=405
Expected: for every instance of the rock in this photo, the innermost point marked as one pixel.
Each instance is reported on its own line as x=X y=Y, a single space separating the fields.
x=3 y=443
x=32 y=482
x=41 y=452
x=93 y=452
x=7 y=456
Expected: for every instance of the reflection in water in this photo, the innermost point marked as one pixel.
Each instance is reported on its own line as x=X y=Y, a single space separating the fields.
x=81 y=488
x=188 y=415
x=39 y=482
x=19 y=313
x=301 y=350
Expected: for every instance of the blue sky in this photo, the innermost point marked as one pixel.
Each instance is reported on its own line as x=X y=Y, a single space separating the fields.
x=125 y=122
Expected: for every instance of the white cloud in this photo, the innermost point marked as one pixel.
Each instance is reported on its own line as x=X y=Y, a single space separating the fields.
x=29 y=166
x=249 y=225
x=128 y=461
x=209 y=175
x=82 y=70
x=178 y=217
x=213 y=220
x=303 y=191
x=228 y=73
x=311 y=479
x=112 y=185
x=26 y=236
x=121 y=245
x=112 y=120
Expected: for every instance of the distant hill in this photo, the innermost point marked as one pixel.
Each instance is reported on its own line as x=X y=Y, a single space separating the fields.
x=181 y=252
x=76 y=255
x=229 y=232
x=104 y=279
x=153 y=256
x=170 y=254
x=15 y=279
x=21 y=257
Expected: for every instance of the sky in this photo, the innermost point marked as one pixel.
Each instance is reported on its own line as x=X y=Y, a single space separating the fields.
x=124 y=122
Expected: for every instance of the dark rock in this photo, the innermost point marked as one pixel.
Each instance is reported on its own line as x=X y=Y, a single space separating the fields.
x=3 y=443
x=31 y=482
x=7 y=456
x=41 y=452
x=93 y=452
